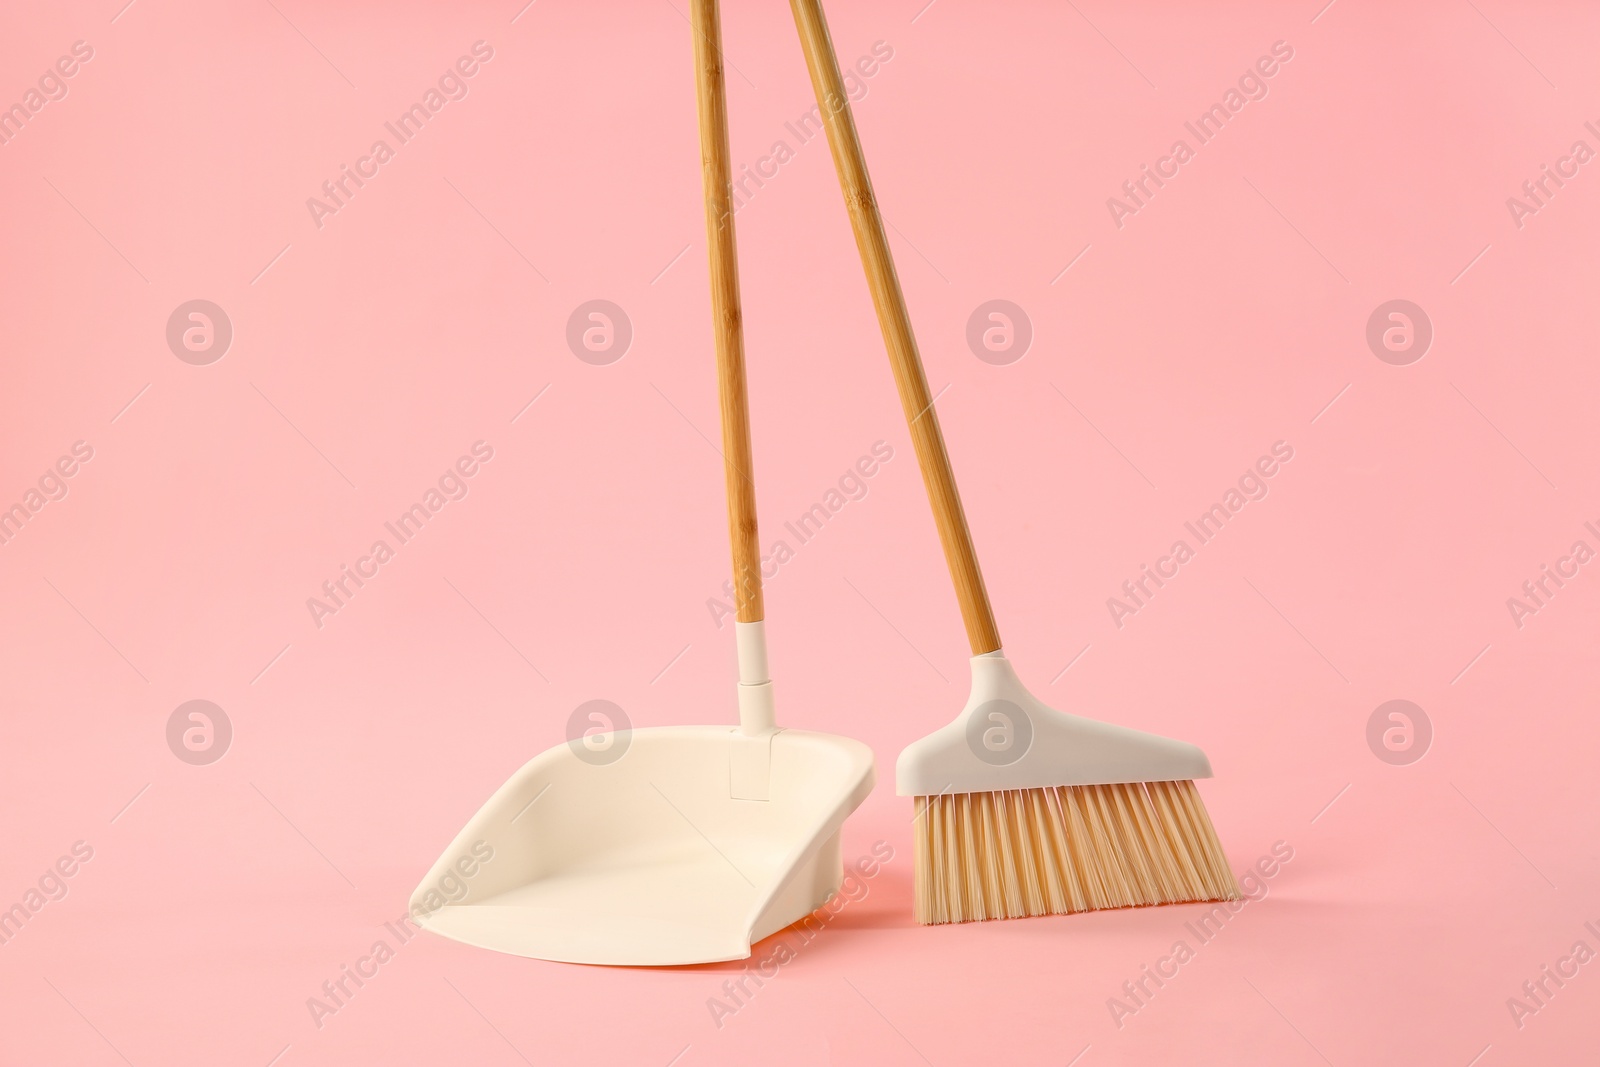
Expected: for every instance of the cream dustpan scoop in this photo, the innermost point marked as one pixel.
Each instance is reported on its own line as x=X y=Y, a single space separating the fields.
x=678 y=844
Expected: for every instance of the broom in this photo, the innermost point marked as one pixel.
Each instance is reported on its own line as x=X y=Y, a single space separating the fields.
x=1020 y=809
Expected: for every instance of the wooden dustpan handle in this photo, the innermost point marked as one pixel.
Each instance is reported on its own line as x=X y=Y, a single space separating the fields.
x=878 y=261
x=726 y=315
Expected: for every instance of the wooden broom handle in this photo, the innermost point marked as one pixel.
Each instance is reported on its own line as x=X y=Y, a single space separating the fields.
x=728 y=322
x=878 y=261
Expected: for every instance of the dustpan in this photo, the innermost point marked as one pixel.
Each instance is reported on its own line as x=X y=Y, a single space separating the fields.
x=678 y=844
x=655 y=859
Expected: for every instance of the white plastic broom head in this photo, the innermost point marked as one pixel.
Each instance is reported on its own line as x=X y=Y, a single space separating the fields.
x=1006 y=738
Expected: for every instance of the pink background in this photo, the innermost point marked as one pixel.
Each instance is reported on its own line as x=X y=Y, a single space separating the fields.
x=370 y=353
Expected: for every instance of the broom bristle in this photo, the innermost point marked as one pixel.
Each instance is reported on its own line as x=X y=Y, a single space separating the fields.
x=1062 y=849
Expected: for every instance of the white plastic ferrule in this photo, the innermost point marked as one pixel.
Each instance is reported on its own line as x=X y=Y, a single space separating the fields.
x=752 y=641
x=756 y=713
